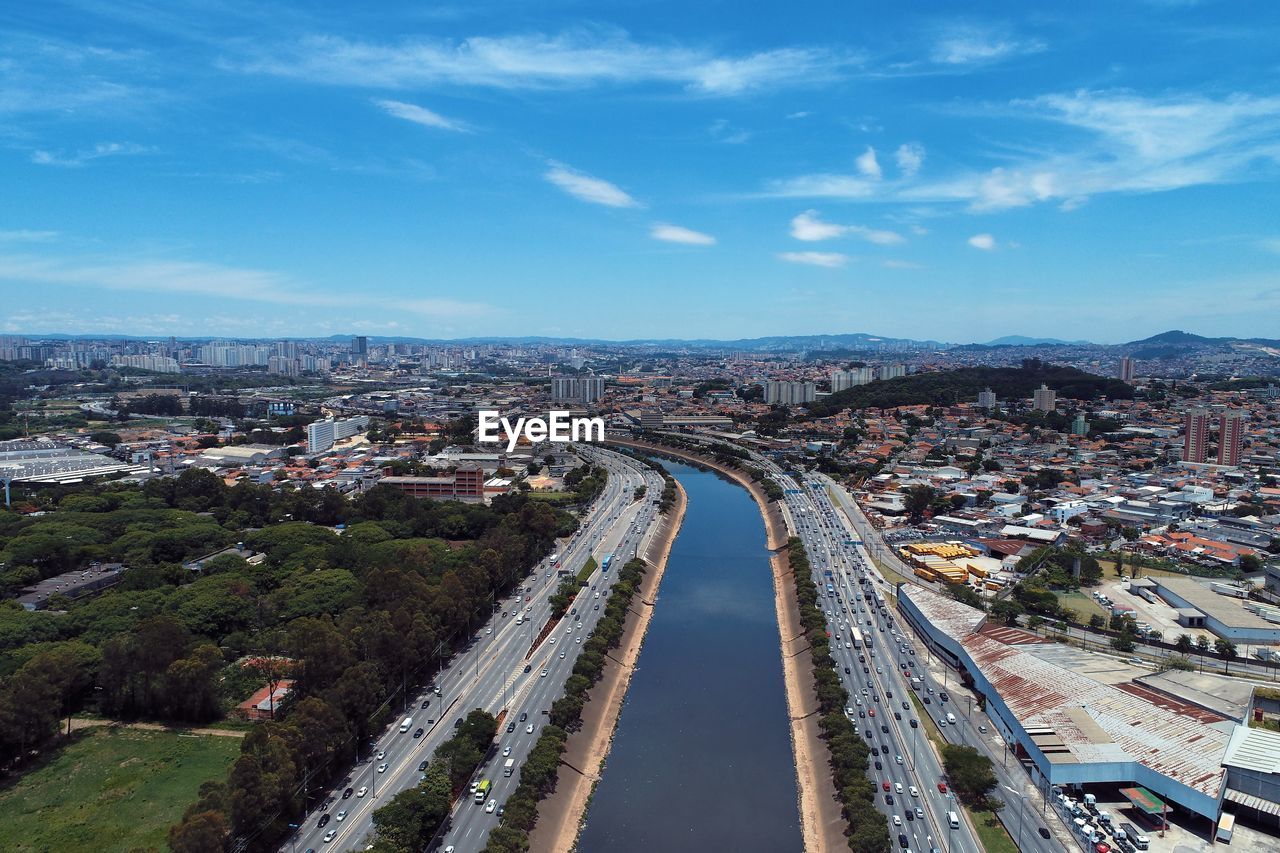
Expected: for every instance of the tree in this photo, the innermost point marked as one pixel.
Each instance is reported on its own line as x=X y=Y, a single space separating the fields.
x=1250 y=563
x=1202 y=646
x=1007 y=611
x=202 y=832
x=970 y=772
x=110 y=439
x=1183 y=644
x=918 y=500
x=1226 y=650
x=1097 y=622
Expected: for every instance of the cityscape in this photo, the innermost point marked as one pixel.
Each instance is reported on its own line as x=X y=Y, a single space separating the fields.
x=501 y=427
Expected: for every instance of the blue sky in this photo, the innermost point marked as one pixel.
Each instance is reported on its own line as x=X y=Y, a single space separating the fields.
x=641 y=169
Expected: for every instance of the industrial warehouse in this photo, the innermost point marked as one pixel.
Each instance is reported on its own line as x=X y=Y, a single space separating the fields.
x=1171 y=740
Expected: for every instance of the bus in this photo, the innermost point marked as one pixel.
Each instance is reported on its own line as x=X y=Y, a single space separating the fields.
x=604 y=564
x=482 y=790
x=555 y=559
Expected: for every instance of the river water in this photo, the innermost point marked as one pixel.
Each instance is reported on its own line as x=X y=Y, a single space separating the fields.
x=701 y=759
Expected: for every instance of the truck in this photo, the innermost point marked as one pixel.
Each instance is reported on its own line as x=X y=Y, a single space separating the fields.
x=406 y=724
x=482 y=790
x=1135 y=835
x=953 y=820
x=509 y=767
x=555 y=559
x=951 y=719
x=857 y=638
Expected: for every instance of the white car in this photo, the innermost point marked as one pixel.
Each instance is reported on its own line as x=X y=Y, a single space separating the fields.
x=897 y=821
x=490 y=806
x=330 y=835
x=551 y=641
x=562 y=656
x=578 y=640
x=528 y=729
x=381 y=755
x=362 y=791
x=915 y=792
x=340 y=817
x=544 y=673
x=382 y=768
x=506 y=751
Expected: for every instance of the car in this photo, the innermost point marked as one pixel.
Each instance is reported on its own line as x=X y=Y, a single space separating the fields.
x=884 y=728
x=915 y=724
x=862 y=714
x=942 y=721
x=528 y=667
x=848 y=712
x=340 y=817
x=885 y=785
x=419 y=732
x=897 y=821
x=544 y=674
x=551 y=642
x=897 y=787
x=501 y=810
x=363 y=790
x=324 y=821
x=382 y=768
x=913 y=790
x=511 y=727
x=1102 y=847
x=872 y=711
x=422 y=766
x=346 y=795
x=897 y=715
x=919 y=813
x=847 y=671
x=906 y=706
x=909 y=815
x=490 y=806
x=578 y=640
x=982 y=729
x=562 y=656
x=878 y=767
x=330 y=835
x=506 y=751
x=488 y=631
x=888 y=799
x=902 y=841
x=524 y=715
x=1044 y=833
x=528 y=729
x=381 y=755
x=927 y=701
x=942 y=787
x=426 y=704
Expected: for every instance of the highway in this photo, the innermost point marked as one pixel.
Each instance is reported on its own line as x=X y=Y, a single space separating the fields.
x=881 y=708
x=497 y=671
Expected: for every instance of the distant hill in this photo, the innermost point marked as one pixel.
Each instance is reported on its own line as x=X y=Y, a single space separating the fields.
x=945 y=387
x=1179 y=344
x=1024 y=341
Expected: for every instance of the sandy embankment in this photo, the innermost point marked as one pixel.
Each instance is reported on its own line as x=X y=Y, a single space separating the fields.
x=560 y=815
x=821 y=822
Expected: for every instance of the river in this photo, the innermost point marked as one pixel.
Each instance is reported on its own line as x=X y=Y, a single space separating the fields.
x=702 y=759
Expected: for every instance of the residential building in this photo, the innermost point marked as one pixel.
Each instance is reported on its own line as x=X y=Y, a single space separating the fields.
x=1125 y=372
x=781 y=393
x=892 y=371
x=319 y=436
x=1044 y=399
x=1195 y=441
x=987 y=399
x=1230 y=437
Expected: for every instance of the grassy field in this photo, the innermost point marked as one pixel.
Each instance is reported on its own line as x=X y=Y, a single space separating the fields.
x=1083 y=605
x=110 y=790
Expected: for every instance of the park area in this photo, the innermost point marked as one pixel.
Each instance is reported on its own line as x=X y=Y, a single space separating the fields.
x=111 y=790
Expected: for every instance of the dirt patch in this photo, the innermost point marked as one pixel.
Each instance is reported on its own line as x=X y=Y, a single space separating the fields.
x=560 y=815
x=79 y=723
x=821 y=821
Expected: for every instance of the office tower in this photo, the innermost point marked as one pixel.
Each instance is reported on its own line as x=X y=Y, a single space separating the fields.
x=1196 y=441
x=1045 y=399
x=1230 y=437
x=573 y=389
x=1126 y=369
x=360 y=347
x=986 y=399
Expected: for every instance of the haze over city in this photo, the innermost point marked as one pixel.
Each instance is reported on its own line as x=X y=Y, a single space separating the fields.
x=640 y=170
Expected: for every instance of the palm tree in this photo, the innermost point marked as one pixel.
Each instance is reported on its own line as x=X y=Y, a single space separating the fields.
x=1202 y=646
x=1226 y=650
x=1183 y=644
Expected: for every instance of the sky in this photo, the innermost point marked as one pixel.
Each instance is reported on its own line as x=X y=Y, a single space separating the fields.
x=958 y=172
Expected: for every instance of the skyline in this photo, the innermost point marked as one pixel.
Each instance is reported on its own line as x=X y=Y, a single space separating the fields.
x=569 y=171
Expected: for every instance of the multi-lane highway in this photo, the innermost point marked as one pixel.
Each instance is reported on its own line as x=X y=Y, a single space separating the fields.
x=499 y=671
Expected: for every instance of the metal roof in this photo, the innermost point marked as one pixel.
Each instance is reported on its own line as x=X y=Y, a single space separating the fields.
x=1254 y=749
x=1094 y=722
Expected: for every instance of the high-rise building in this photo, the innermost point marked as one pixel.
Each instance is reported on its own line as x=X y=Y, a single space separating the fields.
x=1126 y=369
x=1079 y=426
x=360 y=346
x=1195 y=442
x=319 y=436
x=777 y=392
x=1230 y=437
x=574 y=389
x=1044 y=399
x=892 y=371
x=844 y=379
x=987 y=399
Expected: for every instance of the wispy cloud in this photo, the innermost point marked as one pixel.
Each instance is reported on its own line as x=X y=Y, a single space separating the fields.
x=1270 y=244
x=970 y=45
x=909 y=157
x=23 y=235
x=87 y=155
x=199 y=278
x=677 y=234
x=1121 y=143
x=808 y=227
x=422 y=116
x=831 y=260
x=899 y=264
x=574 y=59
x=587 y=188
x=985 y=242
x=867 y=164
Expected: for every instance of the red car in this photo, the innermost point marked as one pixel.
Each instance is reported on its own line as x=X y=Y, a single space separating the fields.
x=942 y=787
x=885 y=785
x=1102 y=847
x=871 y=711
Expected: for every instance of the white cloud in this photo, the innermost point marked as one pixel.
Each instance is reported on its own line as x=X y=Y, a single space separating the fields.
x=422 y=116
x=80 y=158
x=910 y=157
x=1122 y=143
x=587 y=188
x=897 y=264
x=1270 y=244
x=808 y=227
x=26 y=236
x=867 y=164
x=167 y=276
x=831 y=260
x=677 y=234
x=985 y=242
x=976 y=45
x=573 y=59
x=799 y=114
